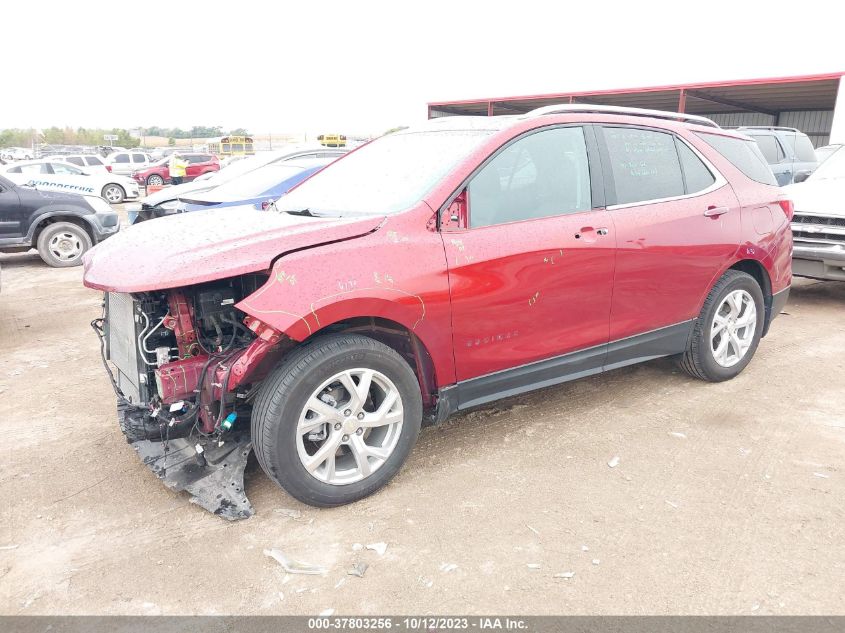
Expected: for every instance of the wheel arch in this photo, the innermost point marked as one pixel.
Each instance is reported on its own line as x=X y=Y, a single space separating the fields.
x=758 y=271
x=399 y=337
x=46 y=220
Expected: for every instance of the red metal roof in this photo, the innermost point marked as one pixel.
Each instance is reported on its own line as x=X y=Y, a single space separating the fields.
x=771 y=95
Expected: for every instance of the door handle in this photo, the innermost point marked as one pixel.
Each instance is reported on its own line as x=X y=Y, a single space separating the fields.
x=715 y=212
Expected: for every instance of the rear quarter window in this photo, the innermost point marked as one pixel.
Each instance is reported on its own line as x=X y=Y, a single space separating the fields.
x=742 y=154
x=802 y=147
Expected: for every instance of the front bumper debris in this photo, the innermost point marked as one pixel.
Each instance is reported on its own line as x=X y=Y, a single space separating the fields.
x=215 y=483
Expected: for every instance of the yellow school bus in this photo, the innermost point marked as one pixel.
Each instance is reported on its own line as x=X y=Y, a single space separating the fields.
x=332 y=140
x=232 y=146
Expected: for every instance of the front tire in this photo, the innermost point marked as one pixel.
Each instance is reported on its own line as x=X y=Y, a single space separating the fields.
x=113 y=194
x=63 y=244
x=728 y=330
x=155 y=180
x=337 y=419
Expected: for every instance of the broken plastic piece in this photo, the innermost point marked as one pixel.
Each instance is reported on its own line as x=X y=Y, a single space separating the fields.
x=565 y=574
x=357 y=547
x=378 y=548
x=326 y=613
x=613 y=463
x=293 y=566
x=596 y=561
x=533 y=565
x=678 y=434
x=293 y=514
x=447 y=567
x=358 y=569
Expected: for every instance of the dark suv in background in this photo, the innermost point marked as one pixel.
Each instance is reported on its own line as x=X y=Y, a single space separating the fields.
x=788 y=151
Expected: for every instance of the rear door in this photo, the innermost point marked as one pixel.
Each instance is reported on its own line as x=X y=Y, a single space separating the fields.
x=531 y=264
x=196 y=165
x=677 y=223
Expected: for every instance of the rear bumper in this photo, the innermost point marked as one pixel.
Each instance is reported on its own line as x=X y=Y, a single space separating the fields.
x=819 y=261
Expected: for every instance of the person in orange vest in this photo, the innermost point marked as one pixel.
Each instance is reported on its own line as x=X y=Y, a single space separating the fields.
x=177 y=168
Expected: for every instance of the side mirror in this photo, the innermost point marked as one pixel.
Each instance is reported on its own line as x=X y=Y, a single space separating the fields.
x=455 y=214
x=801 y=176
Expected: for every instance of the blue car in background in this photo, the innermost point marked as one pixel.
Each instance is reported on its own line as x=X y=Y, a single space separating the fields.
x=258 y=187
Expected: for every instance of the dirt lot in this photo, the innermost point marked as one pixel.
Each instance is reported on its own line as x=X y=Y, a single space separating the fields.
x=727 y=498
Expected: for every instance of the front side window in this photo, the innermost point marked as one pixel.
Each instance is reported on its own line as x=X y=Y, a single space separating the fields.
x=644 y=164
x=93 y=160
x=540 y=175
x=121 y=158
x=59 y=168
x=139 y=158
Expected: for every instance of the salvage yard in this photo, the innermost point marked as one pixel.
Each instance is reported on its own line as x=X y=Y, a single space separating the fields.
x=726 y=498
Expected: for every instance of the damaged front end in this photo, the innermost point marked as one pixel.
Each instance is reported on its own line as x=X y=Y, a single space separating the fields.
x=185 y=365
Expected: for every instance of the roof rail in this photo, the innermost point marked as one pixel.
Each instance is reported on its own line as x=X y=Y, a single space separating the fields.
x=765 y=127
x=565 y=108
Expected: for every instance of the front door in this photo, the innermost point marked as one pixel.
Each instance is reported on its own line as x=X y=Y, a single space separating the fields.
x=531 y=267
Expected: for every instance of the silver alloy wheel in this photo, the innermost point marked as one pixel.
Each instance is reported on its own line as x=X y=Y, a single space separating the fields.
x=155 y=180
x=733 y=328
x=65 y=246
x=113 y=193
x=349 y=426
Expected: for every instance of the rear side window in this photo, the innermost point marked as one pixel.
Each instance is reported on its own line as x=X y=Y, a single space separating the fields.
x=76 y=160
x=121 y=158
x=93 y=160
x=802 y=147
x=696 y=174
x=743 y=154
x=644 y=164
x=138 y=158
x=770 y=148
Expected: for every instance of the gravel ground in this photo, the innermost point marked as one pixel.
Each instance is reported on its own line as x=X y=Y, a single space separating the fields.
x=727 y=499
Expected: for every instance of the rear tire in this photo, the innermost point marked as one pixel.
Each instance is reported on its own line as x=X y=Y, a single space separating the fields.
x=318 y=441
x=728 y=330
x=63 y=244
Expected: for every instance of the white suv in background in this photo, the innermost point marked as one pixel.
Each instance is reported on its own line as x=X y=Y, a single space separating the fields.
x=124 y=163
x=91 y=163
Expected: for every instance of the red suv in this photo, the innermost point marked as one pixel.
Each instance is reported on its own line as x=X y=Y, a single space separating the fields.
x=159 y=173
x=433 y=270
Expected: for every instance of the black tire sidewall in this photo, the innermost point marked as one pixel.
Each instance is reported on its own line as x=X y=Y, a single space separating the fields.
x=713 y=369
x=47 y=234
x=281 y=460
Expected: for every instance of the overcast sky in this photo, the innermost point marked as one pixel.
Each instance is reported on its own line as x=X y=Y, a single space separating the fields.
x=360 y=67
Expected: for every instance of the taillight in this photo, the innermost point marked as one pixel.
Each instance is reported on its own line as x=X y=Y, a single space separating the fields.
x=788 y=208
x=108 y=168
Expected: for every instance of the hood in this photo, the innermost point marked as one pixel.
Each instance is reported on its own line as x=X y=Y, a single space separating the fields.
x=175 y=191
x=192 y=248
x=825 y=196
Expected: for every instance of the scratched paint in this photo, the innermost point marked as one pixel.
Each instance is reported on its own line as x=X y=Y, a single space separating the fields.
x=534 y=298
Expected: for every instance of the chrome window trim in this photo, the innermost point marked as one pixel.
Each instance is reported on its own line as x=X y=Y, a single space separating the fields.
x=720 y=181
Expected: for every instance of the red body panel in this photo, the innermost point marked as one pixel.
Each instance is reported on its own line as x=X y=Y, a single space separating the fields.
x=480 y=300
x=191 y=248
x=191 y=171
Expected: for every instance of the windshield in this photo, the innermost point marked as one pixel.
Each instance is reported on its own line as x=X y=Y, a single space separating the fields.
x=240 y=167
x=832 y=167
x=389 y=175
x=255 y=182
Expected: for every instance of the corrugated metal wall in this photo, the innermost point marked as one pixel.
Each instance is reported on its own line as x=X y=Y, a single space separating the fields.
x=815 y=124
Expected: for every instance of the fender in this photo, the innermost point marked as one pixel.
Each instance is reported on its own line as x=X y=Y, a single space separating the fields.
x=390 y=274
x=65 y=210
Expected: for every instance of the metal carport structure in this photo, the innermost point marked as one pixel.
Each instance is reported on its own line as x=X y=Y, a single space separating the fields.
x=806 y=102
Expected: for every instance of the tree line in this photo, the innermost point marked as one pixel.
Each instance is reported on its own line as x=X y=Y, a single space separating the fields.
x=18 y=137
